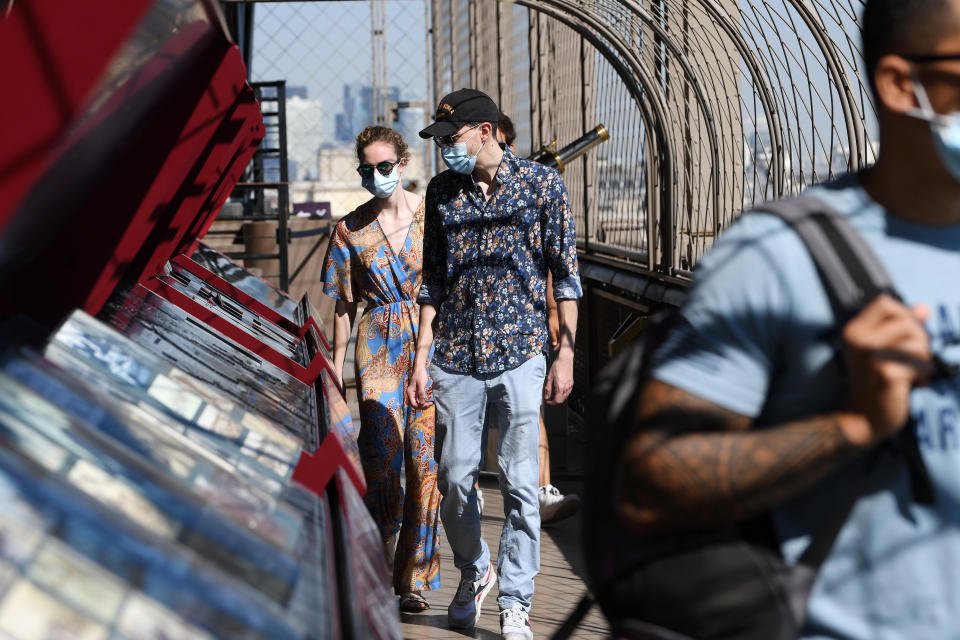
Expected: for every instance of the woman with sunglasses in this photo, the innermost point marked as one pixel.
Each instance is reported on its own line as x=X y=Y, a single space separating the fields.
x=375 y=257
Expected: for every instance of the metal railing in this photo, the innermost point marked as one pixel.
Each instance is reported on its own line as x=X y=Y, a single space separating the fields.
x=267 y=174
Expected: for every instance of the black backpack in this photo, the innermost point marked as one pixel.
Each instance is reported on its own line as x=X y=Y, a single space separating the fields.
x=730 y=582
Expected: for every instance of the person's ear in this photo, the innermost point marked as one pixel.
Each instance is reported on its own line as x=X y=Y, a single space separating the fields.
x=894 y=82
x=485 y=130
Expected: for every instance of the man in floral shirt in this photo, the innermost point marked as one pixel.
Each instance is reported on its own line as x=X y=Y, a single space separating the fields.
x=495 y=224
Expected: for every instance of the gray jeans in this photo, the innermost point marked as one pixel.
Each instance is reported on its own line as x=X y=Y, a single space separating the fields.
x=461 y=401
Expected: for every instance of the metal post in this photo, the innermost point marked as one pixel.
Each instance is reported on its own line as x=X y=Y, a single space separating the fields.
x=283 y=193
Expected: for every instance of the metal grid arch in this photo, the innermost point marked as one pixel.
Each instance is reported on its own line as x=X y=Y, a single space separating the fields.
x=713 y=106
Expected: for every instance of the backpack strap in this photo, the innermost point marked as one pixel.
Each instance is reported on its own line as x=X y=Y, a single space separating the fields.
x=852 y=276
x=849 y=269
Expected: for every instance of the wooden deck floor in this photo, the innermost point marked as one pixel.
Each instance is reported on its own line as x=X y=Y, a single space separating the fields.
x=559 y=586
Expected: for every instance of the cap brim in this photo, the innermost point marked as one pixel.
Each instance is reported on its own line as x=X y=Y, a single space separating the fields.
x=440 y=128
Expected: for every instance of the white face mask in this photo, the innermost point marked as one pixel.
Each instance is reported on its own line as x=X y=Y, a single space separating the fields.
x=379 y=185
x=945 y=129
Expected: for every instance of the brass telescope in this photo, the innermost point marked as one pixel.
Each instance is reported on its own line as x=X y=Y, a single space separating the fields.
x=549 y=155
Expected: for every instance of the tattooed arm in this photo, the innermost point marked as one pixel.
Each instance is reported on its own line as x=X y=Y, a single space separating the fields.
x=718 y=471
x=696 y=464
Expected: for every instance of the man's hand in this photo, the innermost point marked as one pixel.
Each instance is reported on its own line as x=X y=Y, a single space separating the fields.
x=417 y=395
x=553 y=325
x=559 y=380
x=887 y=354
x=697 y=464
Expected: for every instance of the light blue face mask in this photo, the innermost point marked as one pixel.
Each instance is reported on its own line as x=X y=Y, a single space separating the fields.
x=944 y=127
x=456 y=157
x=381 y=186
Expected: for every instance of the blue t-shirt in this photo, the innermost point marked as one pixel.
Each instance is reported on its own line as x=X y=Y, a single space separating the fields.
x=760 y=339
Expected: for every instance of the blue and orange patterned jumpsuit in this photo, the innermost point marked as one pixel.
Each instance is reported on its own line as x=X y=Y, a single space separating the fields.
x=361 y=266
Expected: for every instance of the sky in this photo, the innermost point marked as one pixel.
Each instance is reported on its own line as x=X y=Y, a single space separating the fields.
x=324 y=45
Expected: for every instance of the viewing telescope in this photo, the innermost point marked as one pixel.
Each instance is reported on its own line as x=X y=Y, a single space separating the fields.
x=549 y=155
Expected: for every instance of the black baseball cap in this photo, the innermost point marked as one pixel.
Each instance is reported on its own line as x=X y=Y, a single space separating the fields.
x=459 y=108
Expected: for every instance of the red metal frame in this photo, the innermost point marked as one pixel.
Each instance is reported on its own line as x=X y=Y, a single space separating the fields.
x=49 y=82
x=168 y=137
x=239 y=295
x=307 y=375
x=188 y=181
x=314 y=471
x=250 y=131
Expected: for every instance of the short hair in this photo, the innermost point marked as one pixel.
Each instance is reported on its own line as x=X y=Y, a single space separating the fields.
x=381 y=134
x=506 y=125
x=902 y=27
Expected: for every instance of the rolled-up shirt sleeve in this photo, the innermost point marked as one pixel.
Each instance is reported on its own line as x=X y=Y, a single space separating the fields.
x=433 y=280
x=560 y=241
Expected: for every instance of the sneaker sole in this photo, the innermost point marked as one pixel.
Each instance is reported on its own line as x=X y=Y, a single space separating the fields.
x=453 y=623
x=563 y=512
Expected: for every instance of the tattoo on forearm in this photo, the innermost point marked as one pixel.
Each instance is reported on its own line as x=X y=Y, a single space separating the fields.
x=698 y=464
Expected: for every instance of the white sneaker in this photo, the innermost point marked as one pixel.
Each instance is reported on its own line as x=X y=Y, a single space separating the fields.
x=515 y=624
x=554 y=506
x=464 y=610
x=480 y=501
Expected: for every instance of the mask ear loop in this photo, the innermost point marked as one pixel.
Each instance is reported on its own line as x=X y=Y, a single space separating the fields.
x=925 y=111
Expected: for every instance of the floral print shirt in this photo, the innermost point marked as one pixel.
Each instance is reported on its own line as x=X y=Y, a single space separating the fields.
x=485 y=264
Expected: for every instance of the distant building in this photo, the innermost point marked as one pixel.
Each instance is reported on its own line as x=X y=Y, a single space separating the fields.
x=304 y=136
x=358 y=110
x=298 y=92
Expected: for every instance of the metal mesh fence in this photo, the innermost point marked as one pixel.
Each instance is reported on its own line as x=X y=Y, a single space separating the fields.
x=712 y=105
x=347 y=64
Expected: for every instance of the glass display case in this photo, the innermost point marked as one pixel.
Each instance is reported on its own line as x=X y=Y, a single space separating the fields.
x=257 y=288
x=144 y=471
x=165 y=330
x=176 y=458
x=75 y=564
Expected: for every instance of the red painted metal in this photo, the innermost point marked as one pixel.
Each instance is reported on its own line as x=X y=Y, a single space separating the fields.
x=57 y=65
x=314 y=471
x=138 y=175
x=340 y=426
x=185 y=189
x=307 y=375
x=247 y=123
x=239 y=295
x=312 y=322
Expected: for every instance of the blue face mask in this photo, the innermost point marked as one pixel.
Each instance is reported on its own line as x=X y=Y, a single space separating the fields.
x=456 y=157
x=381 y=186
x=944 y=127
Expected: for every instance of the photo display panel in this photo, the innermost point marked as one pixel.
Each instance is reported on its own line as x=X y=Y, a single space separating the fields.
x=222 y=266
x=232 y=310
x=76 y=563
x=247 y=380
x=104 y=358
x=247 y=533
x=152 y=477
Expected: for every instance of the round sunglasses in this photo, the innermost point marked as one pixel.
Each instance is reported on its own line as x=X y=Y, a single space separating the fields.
x=385 y=168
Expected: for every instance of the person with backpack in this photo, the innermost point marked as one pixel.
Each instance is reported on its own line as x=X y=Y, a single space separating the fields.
x=768 y=417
